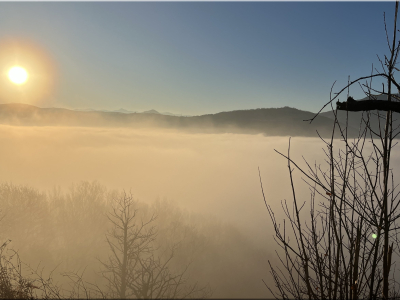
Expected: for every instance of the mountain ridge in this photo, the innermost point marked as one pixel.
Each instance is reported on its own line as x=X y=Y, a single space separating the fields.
x=285 y=121
x=125 y=111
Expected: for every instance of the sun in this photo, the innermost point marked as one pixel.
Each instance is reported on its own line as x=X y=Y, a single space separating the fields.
x=18 y=75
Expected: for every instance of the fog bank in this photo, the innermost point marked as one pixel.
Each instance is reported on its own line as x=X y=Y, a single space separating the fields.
x=210 y=174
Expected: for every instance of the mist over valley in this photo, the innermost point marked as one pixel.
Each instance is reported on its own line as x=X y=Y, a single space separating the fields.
x=211 y=178
x=197 y=150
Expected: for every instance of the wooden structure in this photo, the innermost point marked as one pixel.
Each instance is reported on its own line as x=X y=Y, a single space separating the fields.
x=364 y=105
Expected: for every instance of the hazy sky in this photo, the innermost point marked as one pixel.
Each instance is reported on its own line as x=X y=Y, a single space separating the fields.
x=199 y=57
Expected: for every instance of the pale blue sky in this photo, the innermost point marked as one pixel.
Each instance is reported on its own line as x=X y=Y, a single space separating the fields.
x=201 y=57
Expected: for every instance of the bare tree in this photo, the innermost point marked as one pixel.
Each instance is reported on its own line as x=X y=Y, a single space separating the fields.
x=126 y=241
x=343 y=247
x=133 y=269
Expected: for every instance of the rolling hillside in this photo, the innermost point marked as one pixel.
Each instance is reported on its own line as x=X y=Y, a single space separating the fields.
x=284 y=121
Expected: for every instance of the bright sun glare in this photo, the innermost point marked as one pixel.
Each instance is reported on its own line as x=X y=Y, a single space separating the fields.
x=18 y=75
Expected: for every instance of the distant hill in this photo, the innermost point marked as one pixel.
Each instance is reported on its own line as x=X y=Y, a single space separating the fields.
x=122 y=110
x=284 y=121
x=151 y=111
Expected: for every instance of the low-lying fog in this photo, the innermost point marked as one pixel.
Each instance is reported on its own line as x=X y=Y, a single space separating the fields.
x=209 y=174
